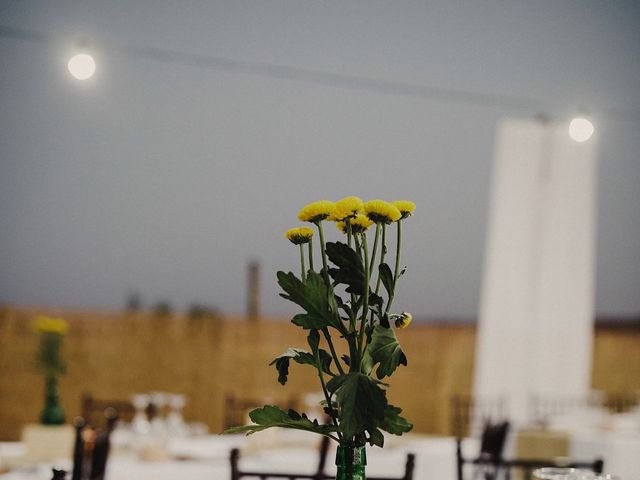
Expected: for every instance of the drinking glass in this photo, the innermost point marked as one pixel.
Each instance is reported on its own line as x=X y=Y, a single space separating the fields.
x=563 y=473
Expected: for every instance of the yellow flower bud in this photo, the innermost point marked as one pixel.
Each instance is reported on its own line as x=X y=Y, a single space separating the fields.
x=317 y=211
x=403 y=320
x=380 y=211
x=347 y=207
x=50 y=325
x=359 y=224
x=299 y=235
x=406 y=207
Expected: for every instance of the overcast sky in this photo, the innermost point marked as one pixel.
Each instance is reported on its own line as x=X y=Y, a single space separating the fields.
x=168 y=178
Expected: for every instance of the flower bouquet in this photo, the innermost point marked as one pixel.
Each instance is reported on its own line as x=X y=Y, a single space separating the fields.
x=52 y=365
x=349 y=299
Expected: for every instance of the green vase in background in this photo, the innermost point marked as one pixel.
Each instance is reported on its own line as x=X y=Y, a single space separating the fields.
x=351 y=462
x=52 y=413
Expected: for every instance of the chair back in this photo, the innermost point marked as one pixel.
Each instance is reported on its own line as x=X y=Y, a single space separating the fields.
x=487 y=467
x=92 y=447
x=90 y=450
x=494 y=437
x=470 y=413
x=319 y=474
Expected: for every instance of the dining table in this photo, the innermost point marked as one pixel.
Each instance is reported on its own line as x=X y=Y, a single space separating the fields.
x=206 y=457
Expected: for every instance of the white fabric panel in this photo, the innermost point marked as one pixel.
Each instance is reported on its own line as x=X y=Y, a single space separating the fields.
x=535 y=321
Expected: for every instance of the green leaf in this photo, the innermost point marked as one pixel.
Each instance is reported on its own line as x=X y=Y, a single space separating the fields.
x=350 y=269
x=306 y=321
x=303 y=358
x=361 y=401
x=311 y=295
x=313 y=339
x=376 y=438
x=346 y=359
x=375 y=300
x=345 y=307
x=384 y=349
x=271 y=416
x=394 y=423
x=386 y=277
x=336 y=382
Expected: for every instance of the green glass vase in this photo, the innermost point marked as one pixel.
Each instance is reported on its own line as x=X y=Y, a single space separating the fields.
x=351 y=462
x=52 y=413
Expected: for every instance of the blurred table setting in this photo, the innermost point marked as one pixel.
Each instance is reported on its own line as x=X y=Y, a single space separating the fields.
x=589 y=431
x=207 y=457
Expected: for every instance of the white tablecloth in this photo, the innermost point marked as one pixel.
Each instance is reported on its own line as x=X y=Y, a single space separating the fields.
x=620 y=452
x=209 y=460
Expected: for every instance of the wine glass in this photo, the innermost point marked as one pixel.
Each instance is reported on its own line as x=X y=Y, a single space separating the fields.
x=175 y=420
x=140 y=423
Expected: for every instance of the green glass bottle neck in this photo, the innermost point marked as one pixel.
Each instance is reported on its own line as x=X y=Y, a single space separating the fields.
x=351 y=462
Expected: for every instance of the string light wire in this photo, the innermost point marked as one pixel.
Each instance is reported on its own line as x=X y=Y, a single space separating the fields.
x=304 y=75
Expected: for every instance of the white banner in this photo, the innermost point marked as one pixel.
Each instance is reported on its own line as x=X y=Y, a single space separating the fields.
x=537 y=303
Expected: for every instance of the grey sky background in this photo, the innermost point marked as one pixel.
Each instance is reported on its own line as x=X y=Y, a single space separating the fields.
x=168 y=179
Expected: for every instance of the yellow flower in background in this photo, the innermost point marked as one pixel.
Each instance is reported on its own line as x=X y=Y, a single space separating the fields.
x=406 y=207
x=359 y=224
x=403 y=320
x=347 y=207
x=317 y=211
x=382 y=212
x=51 y=325
x=299 y=235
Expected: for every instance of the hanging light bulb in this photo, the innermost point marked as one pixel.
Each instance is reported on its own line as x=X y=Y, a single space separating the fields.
x=82 y=66
x=581 y=129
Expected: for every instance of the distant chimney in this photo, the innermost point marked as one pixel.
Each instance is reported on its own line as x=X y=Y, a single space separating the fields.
x=253 y=297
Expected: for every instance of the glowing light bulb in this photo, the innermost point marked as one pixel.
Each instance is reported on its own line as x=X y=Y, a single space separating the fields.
x=82 y=66
x=581 y=129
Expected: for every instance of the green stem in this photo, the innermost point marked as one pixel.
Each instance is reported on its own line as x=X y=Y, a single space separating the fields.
x=365 y=301
x=302 y=269
x=324 y=254
x=325 y=332
x=397 y=267
x=375 y=247
x=382 y=253
x=352 y=318
x=326 y=394
x=311 y=253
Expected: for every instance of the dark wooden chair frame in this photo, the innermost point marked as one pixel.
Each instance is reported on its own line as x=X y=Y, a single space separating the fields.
x=97 y=467
x=238 y=474
x=493 y=468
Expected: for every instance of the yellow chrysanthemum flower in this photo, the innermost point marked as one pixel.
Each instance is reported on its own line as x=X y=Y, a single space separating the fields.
x=50 y=325
x=299 y=235
x=347 y=207
x=317 y=211
x=406 y=207
x=360 y=223
x=403 y=320
x=382 y=212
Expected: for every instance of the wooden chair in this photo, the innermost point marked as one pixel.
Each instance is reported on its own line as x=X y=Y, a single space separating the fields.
x=91 y=449
x=90 y=454
x=470 y=413
x=237 y=473
x=490 y=464
x=494 y=437
x=507 y=469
